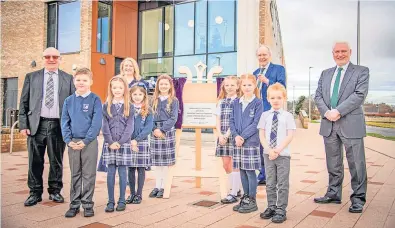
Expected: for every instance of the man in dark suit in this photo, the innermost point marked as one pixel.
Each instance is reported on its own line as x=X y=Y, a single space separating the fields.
x=339 y=97
x=43 y=94
x=267 y=74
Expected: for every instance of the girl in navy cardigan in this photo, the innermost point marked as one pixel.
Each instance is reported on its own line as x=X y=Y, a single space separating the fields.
x=243 y=125
x=228 y=93
x=163 y=138
x=118 y=121
x=141 y=157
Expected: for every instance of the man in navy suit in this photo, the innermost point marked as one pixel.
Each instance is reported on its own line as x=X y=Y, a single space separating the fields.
x=267 y=74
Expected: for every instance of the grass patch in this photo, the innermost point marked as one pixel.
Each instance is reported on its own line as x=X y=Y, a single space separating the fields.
x=392 y=138
x=314 y=121
x=380 y=124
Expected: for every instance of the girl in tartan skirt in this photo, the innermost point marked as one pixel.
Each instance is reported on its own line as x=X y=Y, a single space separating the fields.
x=141 y=156
x=228 y=93
x=118 y=121
x=243 y=125
x=163 y=139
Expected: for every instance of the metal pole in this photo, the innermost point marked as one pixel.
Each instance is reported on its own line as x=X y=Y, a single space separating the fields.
x=293 y=100
x=309 y=94
x=358 y=33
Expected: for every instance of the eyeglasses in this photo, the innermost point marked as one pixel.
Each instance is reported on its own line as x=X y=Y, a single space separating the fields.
x=54 y=57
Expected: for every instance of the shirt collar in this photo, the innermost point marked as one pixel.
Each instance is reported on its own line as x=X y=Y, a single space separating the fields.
x=279 y=111
x=117 y=102
x=344 y=67
x=83 y=95
x=232 y=97
x=56 y=71
x=267 y=66
x=242 y=99
x=137 y=105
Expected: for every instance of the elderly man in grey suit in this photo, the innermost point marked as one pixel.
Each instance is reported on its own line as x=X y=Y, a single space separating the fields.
x=339 y=97
x=42 y=98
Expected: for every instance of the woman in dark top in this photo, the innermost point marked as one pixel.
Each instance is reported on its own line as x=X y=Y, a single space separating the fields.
x=130 y=70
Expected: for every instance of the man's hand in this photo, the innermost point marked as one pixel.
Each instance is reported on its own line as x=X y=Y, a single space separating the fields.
x=333 y=115
x=263 y=79
x=25 y=132
x=239 y=140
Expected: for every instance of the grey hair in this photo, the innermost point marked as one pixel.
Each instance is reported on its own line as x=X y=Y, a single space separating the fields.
x=341 y=42
x=265 y=46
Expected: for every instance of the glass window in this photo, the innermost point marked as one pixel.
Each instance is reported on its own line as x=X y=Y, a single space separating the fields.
x=169 y=30
x=189 y=61
x=228 y=61
x=118 y=62
x=69 y=22
x=201 y=27
x=184 y=28
x=104 y=28
x=151 y=33
x=155 y=67
x=52 y=25
x=221 y=22
x=10 y=91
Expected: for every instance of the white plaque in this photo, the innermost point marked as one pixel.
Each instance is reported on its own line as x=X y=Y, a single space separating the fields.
x=199 y=114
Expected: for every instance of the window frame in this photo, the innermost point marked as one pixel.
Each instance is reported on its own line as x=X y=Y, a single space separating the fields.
x=110 y=3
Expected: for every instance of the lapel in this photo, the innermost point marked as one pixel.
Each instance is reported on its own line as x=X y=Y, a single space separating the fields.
x=39 y=78
x=326 y=85
x=61 y=81
x=346 y=79
x=269 y=71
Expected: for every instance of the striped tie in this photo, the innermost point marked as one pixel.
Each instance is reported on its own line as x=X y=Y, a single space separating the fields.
x=49 y=95
x=273 y=133
x=118 y=107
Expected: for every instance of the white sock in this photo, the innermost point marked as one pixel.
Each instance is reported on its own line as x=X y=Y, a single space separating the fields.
x=158 y=176
x=236 y=183
x=230 y=180
x=165 y=170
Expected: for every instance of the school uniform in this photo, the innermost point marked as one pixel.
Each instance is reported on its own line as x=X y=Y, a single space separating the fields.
x=243 y=123
x=163 y=151
x=276 y=125
x=81 y=121
x=224 y=111
x=142 y=128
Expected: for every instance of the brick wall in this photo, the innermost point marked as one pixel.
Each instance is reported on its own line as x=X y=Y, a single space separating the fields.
x=19 y=143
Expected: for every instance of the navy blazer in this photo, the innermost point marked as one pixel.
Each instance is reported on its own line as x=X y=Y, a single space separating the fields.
x=275 y=73
x=142 y=127
x=245 y=123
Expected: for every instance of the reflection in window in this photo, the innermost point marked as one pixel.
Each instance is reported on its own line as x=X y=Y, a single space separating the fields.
x=221 y=21
x=104 y=28
x=118 y=62
x=69 y=22
x=151 y=33
x=155 y=67
x=169 y=28
x=184 y=27
x=190 y=62
x=228 y=61
x=201 y=27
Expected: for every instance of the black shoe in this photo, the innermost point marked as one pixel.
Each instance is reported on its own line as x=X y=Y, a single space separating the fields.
x=355 y=208
x=130 y=199
x=32 y=200
x=326 y=199
x=239 y=194
x=137 y=199
x=229 y=199
x=154 y=193
x=160 y=193
x=88 y=212
x=121 y=207
x=56 y=197
x=72 y=212
x=268 y=213
x=237 y=207
x=262 y=182
x=249 y=205
x=279 y=218
x=109 y=208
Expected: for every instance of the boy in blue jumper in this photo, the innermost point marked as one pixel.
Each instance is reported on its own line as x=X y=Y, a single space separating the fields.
x=81 y=123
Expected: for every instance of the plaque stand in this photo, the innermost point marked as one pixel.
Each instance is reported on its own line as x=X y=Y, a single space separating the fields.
x=192 y=93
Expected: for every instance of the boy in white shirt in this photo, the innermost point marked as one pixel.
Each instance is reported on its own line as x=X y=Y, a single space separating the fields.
x=276 y=130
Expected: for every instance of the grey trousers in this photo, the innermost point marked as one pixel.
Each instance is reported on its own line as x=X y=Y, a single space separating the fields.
x=355 y=153
x=83 y=174
x=277 y=182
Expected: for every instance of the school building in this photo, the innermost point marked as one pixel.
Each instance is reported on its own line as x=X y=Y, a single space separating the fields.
x=161 y=35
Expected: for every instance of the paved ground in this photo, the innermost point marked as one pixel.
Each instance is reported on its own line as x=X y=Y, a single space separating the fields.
x=308 y=180
x=380 y=130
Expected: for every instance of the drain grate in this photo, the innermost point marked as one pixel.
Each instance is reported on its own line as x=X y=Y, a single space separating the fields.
x=206 y=203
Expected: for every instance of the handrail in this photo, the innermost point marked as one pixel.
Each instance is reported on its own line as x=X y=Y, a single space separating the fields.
x=12 y=135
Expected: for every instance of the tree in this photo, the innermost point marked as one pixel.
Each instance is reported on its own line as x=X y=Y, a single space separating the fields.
x=299 y=104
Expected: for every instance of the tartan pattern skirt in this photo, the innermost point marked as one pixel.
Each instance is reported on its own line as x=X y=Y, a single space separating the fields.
x=142 y=158
x=225 y=150
x=122 y=156
x=247 y=158
x=226 y=111
x=163 y=151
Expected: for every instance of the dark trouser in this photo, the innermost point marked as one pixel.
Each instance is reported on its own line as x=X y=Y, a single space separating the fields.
x=262 y=173
x=355 y=153
x=83 y=174
x=140 y=180
x=248 y=180
x=48 y=136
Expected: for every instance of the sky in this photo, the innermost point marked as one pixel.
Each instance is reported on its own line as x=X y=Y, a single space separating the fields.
x=310 y=27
